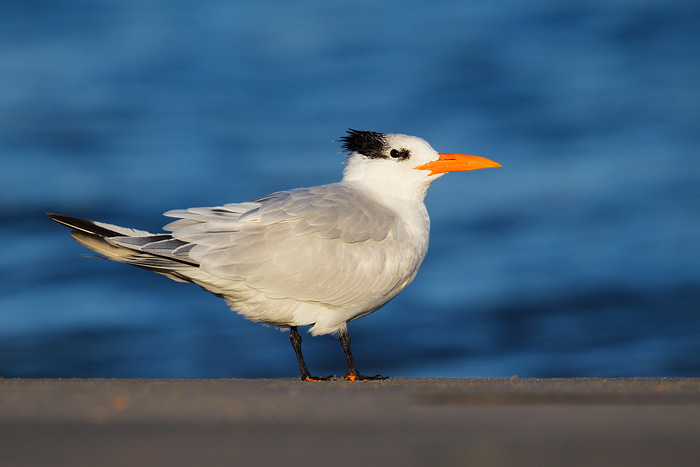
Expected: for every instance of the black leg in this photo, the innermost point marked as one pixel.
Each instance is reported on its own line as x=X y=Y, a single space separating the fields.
x=353 y=374
x=305 y=375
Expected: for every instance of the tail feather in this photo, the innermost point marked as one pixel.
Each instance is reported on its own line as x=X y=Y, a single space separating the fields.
x=131 y=246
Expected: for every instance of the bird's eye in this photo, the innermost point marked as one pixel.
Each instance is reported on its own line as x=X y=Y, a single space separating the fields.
x=400 y=154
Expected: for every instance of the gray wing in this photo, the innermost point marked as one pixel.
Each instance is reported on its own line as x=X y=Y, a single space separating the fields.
x=325 y=244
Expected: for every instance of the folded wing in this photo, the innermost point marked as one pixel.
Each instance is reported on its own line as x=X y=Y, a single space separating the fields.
x=326 y=244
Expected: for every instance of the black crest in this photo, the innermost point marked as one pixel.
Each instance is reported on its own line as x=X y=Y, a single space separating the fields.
x=368 y=143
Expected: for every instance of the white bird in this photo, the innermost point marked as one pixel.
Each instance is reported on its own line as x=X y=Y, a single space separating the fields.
x=319 y=256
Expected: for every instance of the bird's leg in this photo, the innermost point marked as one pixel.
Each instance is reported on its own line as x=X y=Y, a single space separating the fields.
x=305 y=375
x=353 y=374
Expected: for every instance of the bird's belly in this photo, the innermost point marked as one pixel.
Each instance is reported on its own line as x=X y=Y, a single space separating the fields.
x=353 y=281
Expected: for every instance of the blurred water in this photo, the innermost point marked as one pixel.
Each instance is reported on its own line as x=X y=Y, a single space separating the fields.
x=580 y=257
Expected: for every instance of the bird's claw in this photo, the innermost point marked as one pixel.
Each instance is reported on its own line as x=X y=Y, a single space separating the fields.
x=319 y=378
x=359 y=377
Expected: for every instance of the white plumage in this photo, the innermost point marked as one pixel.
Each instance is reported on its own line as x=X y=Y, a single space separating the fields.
x=319 y=256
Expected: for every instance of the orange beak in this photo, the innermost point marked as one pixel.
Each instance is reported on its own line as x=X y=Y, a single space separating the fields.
x=457 y=162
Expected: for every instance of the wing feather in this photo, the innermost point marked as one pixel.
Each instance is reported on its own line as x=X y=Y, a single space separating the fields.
x=327 y=244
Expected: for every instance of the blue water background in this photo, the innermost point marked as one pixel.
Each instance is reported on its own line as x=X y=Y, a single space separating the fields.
x=579 y=257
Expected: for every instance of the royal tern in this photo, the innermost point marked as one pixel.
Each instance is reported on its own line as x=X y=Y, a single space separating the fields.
x=319 y=256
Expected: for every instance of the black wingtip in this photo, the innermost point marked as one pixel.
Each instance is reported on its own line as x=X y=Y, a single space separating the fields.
x=61 y=219
x=82 y=225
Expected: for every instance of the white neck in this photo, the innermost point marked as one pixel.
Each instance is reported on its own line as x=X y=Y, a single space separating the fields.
x=381 y=178
x=402 y=196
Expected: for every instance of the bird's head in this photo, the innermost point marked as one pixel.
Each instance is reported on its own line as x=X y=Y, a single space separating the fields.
x=400 y=165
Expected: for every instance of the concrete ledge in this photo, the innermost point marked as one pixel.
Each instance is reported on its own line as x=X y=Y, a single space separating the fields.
x=424 y=421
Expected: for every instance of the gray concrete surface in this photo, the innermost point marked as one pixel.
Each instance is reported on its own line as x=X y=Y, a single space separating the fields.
x=490 y=422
